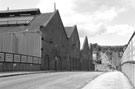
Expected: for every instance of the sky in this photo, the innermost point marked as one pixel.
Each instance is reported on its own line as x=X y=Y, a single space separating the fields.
x=106 y=22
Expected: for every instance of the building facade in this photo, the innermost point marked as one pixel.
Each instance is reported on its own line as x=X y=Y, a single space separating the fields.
x=19 y=45
x=86 y=57
x=108 y=56
x=73 y=47
x=54 y=43
x=31 y=40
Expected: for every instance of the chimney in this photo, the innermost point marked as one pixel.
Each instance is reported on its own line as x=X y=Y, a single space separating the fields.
x=54 y=6
x=7 y=8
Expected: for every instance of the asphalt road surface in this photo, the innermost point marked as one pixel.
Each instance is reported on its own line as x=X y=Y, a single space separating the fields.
x=53 y=80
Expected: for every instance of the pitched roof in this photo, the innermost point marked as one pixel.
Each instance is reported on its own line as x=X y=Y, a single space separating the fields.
x=35 y=23
x=69 y=30
x=42 y=19
x=85 y=44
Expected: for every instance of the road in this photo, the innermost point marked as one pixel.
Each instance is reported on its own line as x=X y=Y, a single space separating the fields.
x=53 y=80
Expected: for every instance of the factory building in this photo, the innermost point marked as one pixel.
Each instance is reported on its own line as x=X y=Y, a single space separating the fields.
x=73 y=47
x=31 y=40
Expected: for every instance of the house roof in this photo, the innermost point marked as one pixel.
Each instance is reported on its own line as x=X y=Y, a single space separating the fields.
x=85 y=44
x=39 y=20
x=69 y=30
x=34 y=24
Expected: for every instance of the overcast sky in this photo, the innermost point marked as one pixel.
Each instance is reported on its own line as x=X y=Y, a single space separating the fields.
x=106 y=22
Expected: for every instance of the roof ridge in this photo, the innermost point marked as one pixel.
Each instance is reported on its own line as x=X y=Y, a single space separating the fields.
x=52 y=14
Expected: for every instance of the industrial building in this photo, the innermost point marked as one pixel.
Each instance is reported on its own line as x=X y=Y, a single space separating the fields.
x=87 y=56
x=31 y=40
x=73 y=48
x=20 y=44
x=107 y=57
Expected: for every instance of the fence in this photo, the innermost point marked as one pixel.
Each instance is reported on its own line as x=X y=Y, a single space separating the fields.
x=18 y=62
x=128 y=60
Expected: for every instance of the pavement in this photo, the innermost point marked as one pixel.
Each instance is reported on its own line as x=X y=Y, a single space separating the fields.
x=110 y=80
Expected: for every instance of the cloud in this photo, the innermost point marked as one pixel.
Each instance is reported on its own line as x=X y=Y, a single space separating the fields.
x=64 y=6
x=18 y=4
x=46 y=5
x=121 y=30
x=129 y=3
x=90 y=6
x=92 y=30
x=106 y=15
x=94 y=23
x=92 y=17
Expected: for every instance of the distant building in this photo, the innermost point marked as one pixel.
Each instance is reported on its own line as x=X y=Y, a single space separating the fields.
x=86 y=56
x=101 y=67
x=110 y=56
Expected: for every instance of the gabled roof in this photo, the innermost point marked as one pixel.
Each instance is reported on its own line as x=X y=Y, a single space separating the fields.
x=35 y=23
x=85 y=44
x=69 y=30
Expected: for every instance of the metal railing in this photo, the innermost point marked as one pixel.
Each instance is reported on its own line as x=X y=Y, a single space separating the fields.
x=18 y=62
